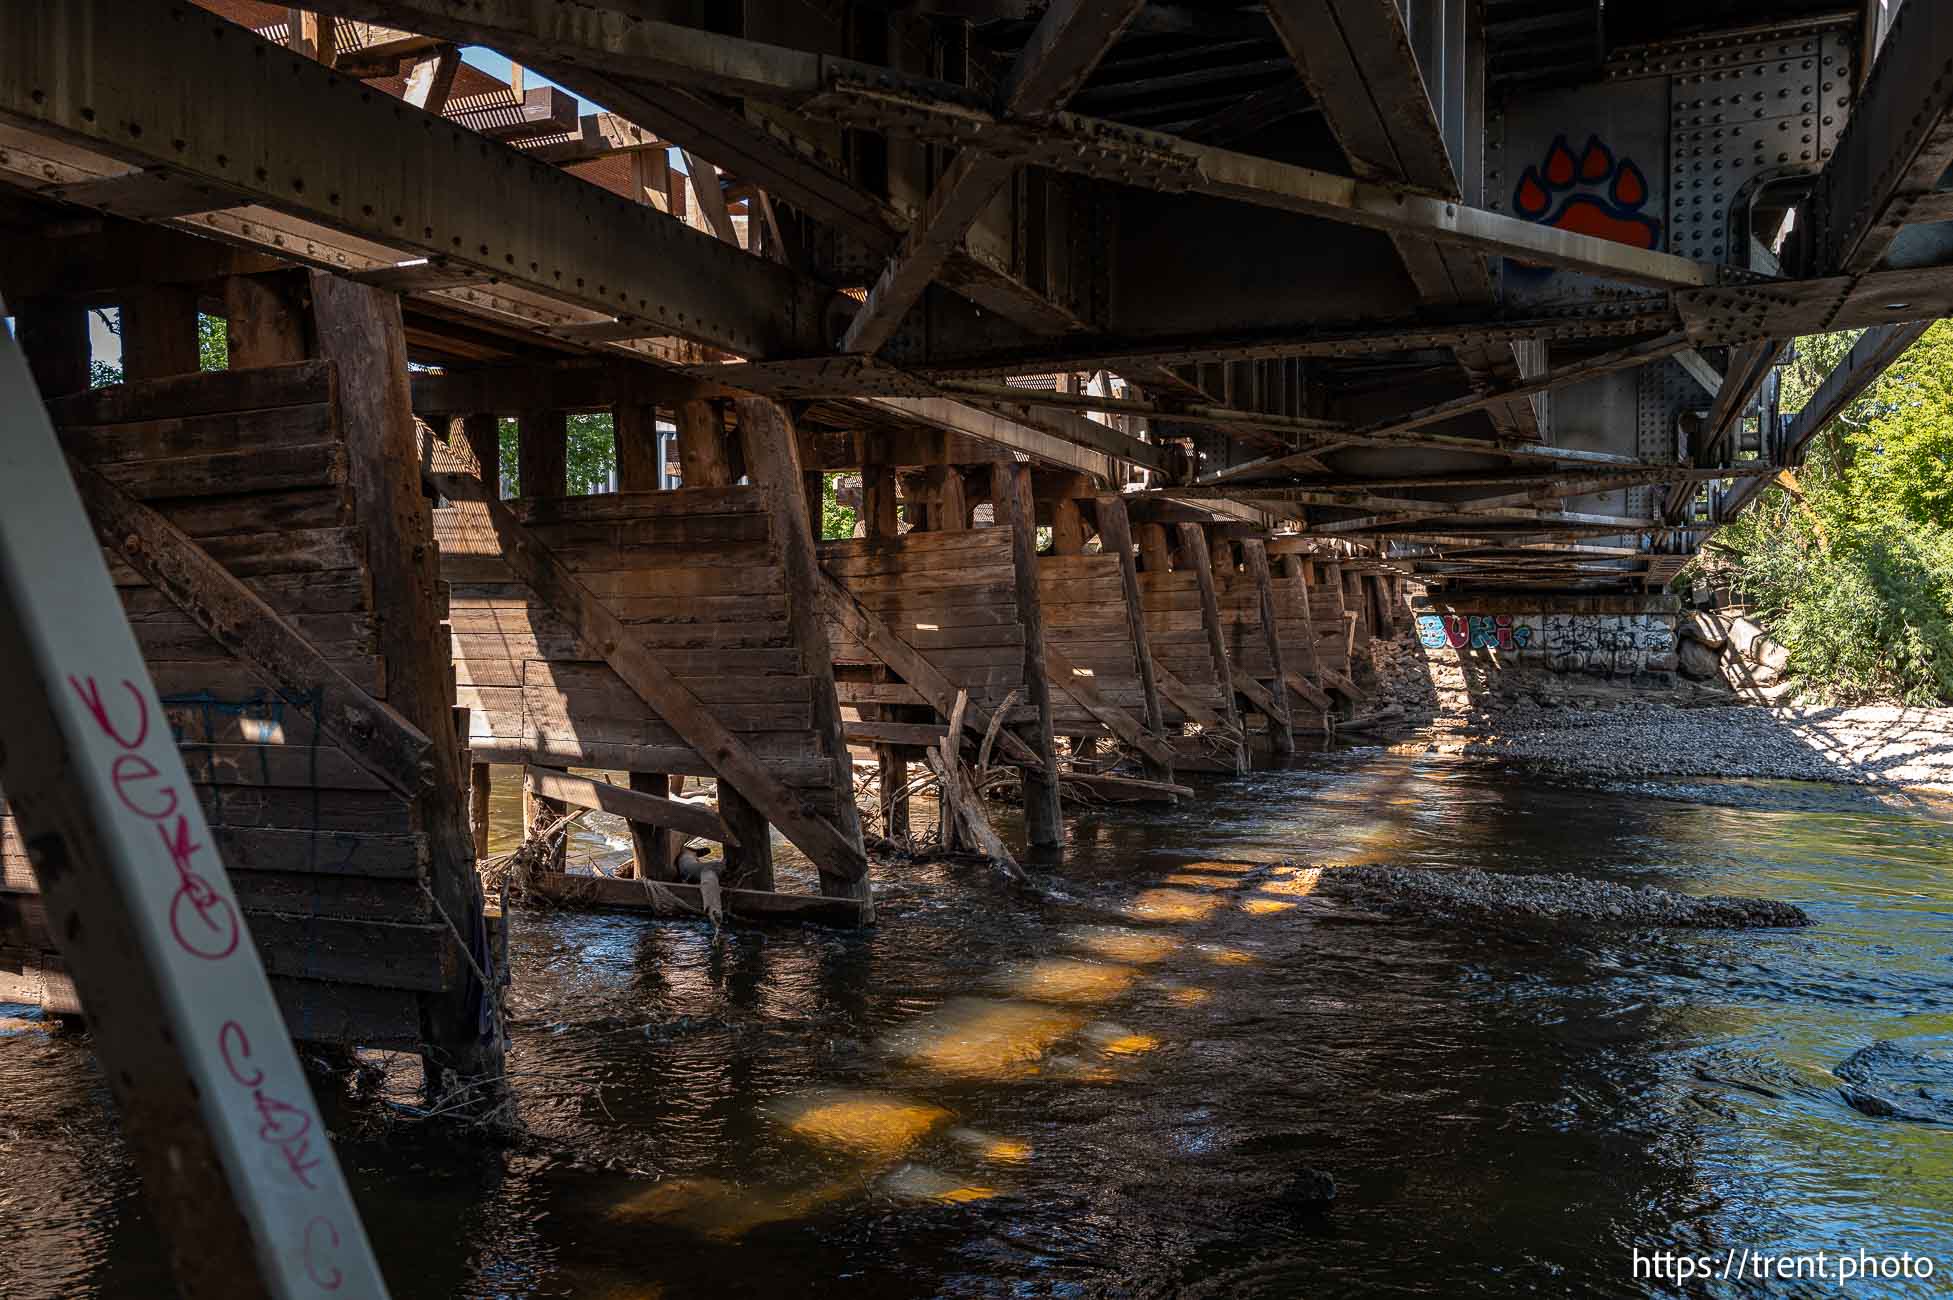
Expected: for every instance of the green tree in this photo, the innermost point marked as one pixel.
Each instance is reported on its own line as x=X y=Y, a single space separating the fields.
x=1853 y=572
x=590 y=459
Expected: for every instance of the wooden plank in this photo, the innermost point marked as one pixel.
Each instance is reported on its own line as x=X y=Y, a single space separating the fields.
x=677 y=503
x=631 y=805
x=190 y=435
x=180 y=396
x=920 y=734
x=227 y=473
x=673 y=899
x=729 y=758
x=372 y=734
x=1125 y=789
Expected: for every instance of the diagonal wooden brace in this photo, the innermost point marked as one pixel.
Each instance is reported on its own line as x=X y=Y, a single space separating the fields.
x=663 y=693
x=373 y=735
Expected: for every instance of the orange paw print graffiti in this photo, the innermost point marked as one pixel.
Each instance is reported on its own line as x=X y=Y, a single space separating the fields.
x=1590 y=194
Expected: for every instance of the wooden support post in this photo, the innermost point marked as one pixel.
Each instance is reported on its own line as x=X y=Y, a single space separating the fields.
x=634 y=426
x=480 y=788
x=54 y=335
x=539 y=813
x=878 y=510
x=1010 y=495
x=771 y=450
x=359 y=330
x=1067 y=527
x=1295 y=568
x=1115 y=538
x=264 y=323
x=703 y=456
x=1155 y=554
x=879 y=519
x=653 y=848
x=482 y=432
x=813 y=484
x=159 y=332
x=1282 y=725
x=1193 y=544
x=749 y=864
x=542 y=451
x=948 y=507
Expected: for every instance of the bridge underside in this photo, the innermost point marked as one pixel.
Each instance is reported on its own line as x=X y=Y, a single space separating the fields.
x=1493 y=291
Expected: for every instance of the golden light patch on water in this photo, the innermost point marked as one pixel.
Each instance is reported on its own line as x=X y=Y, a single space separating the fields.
x=1074 y=1069
x=1117 y=1040
x=1222 y=955
x=1065 y=979
x=1001 y=1150
x=1189 y=997
x=1199 y=882
x=973 y=1038
x=1300 y=881
x=861 y=1122
x=1225 y=868
x=1171 y=905
x=1124 y=945
x=713 y=1207
x=1265 y=906
x=914 y=1183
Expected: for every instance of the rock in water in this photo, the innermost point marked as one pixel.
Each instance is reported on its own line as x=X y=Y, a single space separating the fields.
x=1892 y=1080
x=1467 y=894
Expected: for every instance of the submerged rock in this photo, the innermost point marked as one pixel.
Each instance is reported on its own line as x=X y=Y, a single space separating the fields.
x=1468 y=894
x=1310 y=1188
x=1890 y=1080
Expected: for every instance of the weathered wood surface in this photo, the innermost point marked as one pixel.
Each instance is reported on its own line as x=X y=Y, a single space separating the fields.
x=672 y=898
x=632 y=805
x=660 y=685
x=236 y=539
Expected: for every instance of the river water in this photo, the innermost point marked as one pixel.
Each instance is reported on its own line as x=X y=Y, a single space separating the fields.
x=1124 y=1090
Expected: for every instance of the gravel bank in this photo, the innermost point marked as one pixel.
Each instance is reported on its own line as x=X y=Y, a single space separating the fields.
x=1579 y=727
x=1465 y=894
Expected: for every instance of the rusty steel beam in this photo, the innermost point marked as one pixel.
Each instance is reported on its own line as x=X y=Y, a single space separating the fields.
x=271 y=128
x=1068 y=42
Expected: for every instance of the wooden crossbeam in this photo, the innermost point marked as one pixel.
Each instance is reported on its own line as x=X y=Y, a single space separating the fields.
x=672 y=898
x=1182 y=697
x=664 y=694
x=373 y=735
x=1067 y=677
x=631 y=805
x=1259 y=696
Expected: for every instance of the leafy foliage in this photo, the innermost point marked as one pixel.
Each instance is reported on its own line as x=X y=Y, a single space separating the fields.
x=213 y=349
x=591 y=459
x=836 y=519
x=1855 y=577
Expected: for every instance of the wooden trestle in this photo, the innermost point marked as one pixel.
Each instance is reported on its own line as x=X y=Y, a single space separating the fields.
x=268 y=540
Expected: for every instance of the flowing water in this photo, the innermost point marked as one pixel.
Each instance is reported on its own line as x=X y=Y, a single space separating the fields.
x=1123 y=1090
